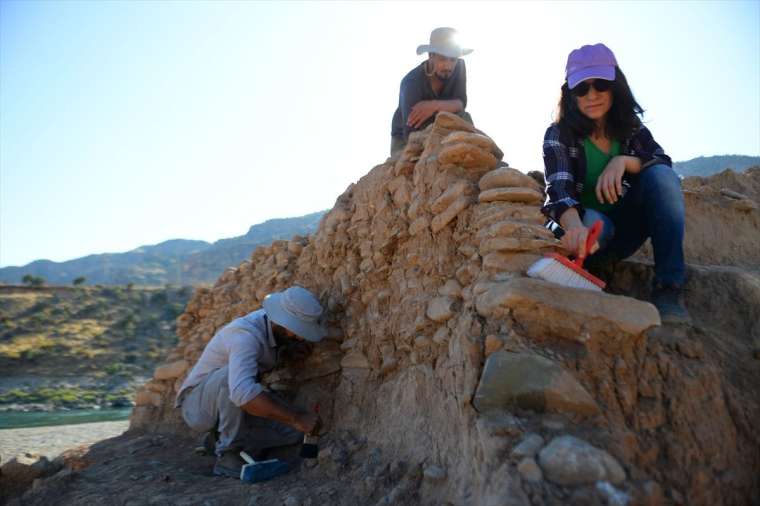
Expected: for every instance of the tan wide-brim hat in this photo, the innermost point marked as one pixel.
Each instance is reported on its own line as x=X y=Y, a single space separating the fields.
x=443 y=41
x=298 y=310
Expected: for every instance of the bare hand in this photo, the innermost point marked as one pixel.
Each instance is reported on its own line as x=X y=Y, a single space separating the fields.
x=421 y=112
x=609 y=186
x=574 y=241
x=308 y=423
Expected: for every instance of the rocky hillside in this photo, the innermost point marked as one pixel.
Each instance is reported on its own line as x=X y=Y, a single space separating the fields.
x=709 y=165
x=69 y=347
x=178 y=261
x=449 y=377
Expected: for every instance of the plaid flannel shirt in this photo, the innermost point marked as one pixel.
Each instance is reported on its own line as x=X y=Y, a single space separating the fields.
x=565 y=166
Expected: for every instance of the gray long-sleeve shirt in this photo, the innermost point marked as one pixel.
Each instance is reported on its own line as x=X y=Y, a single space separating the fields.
x=415 y=87
x=248 y=346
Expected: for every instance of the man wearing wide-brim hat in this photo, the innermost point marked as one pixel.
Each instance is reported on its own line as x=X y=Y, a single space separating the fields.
x=437 y=84
x=222 y=394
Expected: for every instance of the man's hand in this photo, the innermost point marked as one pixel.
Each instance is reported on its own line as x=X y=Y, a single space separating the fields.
x=421 y=112
x=308 y=423
x=609 y=186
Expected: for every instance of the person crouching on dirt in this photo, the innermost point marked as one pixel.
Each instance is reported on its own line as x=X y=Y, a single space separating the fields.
x=602 y=163
x=222 y=393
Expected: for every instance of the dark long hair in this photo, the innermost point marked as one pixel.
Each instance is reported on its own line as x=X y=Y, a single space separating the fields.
x=623 y=118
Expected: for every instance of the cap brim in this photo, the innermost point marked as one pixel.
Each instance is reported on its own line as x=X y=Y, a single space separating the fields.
x=445 y=51
x=605 y=72
x=310 y=331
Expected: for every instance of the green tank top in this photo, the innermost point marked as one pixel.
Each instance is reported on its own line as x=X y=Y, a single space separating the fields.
x=596 y=161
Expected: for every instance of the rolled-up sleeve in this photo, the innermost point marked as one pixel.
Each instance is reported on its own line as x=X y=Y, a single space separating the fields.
x=244 y=352
x=645 y=148
x=561 y=193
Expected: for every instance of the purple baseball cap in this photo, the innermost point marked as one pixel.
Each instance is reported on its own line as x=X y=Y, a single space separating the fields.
x=595 y=61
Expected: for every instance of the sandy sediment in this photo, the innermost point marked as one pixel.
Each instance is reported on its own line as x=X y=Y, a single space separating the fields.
x=51 y=441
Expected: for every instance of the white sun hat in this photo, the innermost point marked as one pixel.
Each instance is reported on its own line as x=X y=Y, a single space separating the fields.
x=298 y=310
x=443 y=41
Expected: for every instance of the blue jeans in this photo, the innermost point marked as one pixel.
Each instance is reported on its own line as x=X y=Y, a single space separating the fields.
x=652 y=208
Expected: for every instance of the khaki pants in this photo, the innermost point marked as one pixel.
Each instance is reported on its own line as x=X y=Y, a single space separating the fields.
x=207 y=406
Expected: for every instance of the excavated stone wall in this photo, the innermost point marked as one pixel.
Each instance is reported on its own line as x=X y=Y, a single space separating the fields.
x=505 y=389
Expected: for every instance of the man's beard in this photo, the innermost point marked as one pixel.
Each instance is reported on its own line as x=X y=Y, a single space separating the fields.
x=444 y=77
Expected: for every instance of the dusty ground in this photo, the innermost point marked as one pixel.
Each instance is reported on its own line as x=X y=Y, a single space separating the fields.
x=163 y=469
x=51 y=441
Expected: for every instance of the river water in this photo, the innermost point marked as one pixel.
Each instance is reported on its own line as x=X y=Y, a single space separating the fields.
x=15 y=420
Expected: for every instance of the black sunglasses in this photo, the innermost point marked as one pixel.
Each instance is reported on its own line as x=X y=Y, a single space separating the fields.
x=582 y=88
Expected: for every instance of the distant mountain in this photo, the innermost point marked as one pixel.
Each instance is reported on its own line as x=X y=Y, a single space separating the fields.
x=708 y=165
x=177 y=261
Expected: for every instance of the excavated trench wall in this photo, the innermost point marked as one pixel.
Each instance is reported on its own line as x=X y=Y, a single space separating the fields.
x=421 y=266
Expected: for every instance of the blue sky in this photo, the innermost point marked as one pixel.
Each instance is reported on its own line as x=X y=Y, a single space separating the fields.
x=130 y=123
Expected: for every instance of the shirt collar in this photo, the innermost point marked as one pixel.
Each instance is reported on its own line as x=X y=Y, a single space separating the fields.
x=270 y=333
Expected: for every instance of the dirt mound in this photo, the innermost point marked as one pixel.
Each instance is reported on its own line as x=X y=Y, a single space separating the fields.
x=448 y=376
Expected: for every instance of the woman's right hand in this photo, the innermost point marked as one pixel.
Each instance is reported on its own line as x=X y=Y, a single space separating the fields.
x=574 y=241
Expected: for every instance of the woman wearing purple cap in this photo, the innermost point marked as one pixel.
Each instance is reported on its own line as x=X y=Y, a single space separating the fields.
x=601 y=163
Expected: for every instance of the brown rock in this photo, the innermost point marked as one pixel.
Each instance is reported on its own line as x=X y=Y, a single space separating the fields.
x=171 y=370
x=493 y=344
x=513 y=244
x=567 y=460
x=450 y=213
x=519 y=195
x=440 y=309
x=506 y=177
x=531 y=382
x=467 y=156
x=458 y=189
x=418 y=225
x=546 y=309
x=480 y=140
x=452 y=122
x=499 y=261
x=355 y=360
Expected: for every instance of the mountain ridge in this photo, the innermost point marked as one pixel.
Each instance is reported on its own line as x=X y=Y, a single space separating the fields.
x=174 y=261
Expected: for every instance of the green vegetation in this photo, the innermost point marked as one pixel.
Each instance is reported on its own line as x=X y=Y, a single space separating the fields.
x=79 y=281
x=30 y=280
x=107 y=335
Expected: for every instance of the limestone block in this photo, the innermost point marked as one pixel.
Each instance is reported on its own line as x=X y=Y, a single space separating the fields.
x=440 y=309
x=466 y=273
x=147 y=398
x=461 y=187
x=506 y=177
x=567 y=460
x=493 y=344
x=418 y=225
x=494 y=212
x=529 y=470
x=514 y=228
x=530 y=382
x=450 y=213
x=519 y=195
x=528 y=447
x=452 y=288
x=546 y=309
x=516 y=244
x=467 y=156
x=354 y=360
x=480 y=140
x=295 y=247
x=441 y=335
x=499 y=261
x=171 y=370
x=452 y=122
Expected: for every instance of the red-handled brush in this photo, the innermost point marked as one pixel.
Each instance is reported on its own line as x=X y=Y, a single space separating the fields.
x=559 y=269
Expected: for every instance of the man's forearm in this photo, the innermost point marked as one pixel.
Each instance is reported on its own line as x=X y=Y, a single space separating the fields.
x=453 y=105
x=267 y=406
